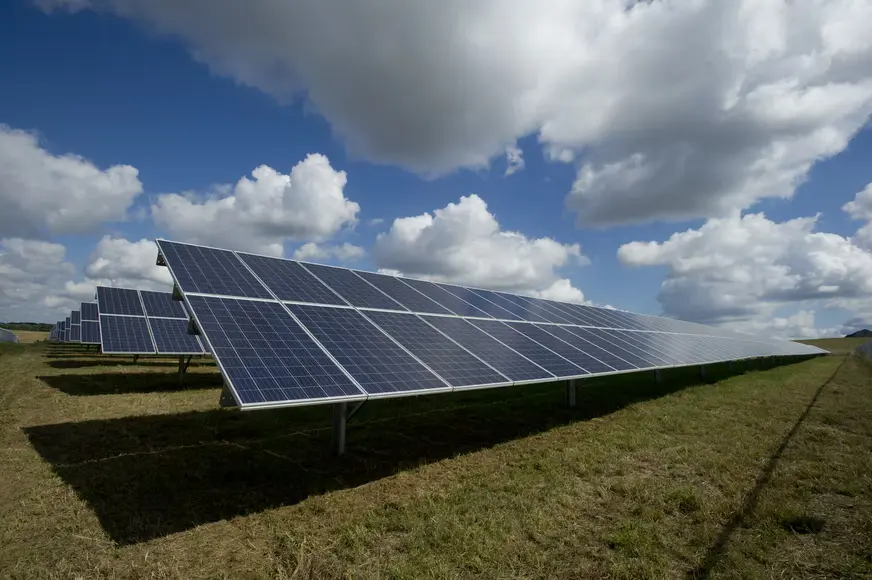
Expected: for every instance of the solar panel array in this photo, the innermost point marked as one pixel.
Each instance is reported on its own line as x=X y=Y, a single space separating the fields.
x=285 y=332
x=143 y=322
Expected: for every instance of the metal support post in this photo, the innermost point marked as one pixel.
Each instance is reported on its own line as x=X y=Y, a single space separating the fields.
x=340 y=418
x=570 y=394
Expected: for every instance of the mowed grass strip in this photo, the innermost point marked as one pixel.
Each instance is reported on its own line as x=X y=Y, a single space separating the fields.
x=741 y=478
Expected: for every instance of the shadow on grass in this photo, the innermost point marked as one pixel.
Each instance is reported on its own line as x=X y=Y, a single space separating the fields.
x=126 y=383
x=109 y=361
x=146 y=477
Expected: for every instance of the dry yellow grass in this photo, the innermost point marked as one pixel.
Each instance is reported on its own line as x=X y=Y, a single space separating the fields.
x=111 y=471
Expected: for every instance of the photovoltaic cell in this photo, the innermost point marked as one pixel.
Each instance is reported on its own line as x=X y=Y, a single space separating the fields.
x=90 y=332
x=489 y=349
x=76 y=317
x=289 y=280
x=162 y=304
x=376 y=362
x=125 y=335
x=171 y=336
x=90 y=311
x=547 y=359
x=266 y=356
x=450 y=361
x=403 y=293
x=210 y=271
x=354 y=289
x=118 y=301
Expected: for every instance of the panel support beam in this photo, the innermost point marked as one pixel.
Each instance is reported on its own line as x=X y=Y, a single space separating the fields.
x=340 y=419
x=571 y=393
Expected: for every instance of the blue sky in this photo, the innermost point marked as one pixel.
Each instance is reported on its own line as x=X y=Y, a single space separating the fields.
x=112 y=88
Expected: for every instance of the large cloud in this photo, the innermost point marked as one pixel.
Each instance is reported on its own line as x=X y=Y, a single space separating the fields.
x=672 y=109
x=742 y=268
x=42 y=193
x=463 y=243
x=259 y=214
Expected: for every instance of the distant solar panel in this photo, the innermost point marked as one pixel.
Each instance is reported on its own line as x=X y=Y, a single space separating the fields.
x=90 y=332
x=162 y=304
x=119 y=301
x=267 y=357
x=90 y=311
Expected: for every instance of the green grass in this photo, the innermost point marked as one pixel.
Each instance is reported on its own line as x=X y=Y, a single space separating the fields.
x=110 y=470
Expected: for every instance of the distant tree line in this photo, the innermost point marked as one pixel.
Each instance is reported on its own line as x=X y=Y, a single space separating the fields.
x=40 y=326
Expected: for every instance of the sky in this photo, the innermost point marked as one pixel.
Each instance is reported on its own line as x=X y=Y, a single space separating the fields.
x=704 y=160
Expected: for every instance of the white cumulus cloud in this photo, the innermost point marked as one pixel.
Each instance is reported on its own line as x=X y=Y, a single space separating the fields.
x=463 y=243
x=258 y=214
x=671 y=109
x=42 y=193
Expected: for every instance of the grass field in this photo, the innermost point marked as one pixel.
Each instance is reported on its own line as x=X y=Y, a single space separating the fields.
x=110 y=470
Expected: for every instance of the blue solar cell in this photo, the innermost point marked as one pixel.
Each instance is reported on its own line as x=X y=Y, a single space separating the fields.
x=171 y=336
x=90 y=311
x=210 y=271
x=267 y=358
x=547 y=359
x=599 y=351
x=289 y=280
x=480 y=302
x=445 y=298
x=162 y=304
x=125 y=335
x=376 y=362
x=566 y=350
x=76 y=333
x=354 y=289
x=450 y=361
x=493 y=352
x=119 y=301
x=90 y=332
x=76 y=317
x=403 y=293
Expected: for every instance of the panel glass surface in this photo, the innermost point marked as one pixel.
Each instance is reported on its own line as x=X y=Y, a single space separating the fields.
x=118 y=301
x=353 y=288
x=162 y=304
x=547 y=359
x=450 y=361
x=403 y=293
x=602 y=354
x=445 y=298
x=90 y=311
x=125 y=335
x=267 y=357
x=210 y=271
x=171 y=336
x=76 y=333
x=567 y=351
x=376 y=362
x=489 y=349
x=76 y=317
x=90 y=332
x=289 y=280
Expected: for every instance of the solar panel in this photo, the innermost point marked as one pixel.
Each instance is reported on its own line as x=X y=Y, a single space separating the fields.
x=118 y=301
x=76 y=317
x=210 y=271
x=289 y=280
x=377 y=363
x=162 y=304
x=447 y=359
x=125 y=335
x=354 y=289
x=512 y=364
x=75 y=333
x=171 y=336
x=90 y=311
x=90 y=332
x=266 y=357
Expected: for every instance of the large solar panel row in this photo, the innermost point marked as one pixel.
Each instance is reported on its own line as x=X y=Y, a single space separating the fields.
x=285 y=332
x=143 y=322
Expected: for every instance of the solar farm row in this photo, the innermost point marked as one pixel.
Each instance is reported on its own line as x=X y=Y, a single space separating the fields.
x=285 y=332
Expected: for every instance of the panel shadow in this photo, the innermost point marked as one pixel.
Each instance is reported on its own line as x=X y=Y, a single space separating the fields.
x=149 y=476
